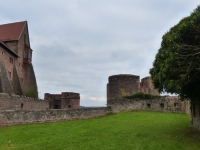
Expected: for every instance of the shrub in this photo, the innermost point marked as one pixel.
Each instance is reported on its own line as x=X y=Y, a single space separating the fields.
x=142 y=95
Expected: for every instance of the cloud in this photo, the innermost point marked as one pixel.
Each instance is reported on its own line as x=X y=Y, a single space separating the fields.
x=78 y=44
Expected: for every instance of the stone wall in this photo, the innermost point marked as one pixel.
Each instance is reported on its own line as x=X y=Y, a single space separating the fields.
x=65 y=100
x=164 y=104
x=16 y=102
x=146 y=86
x=11 y=117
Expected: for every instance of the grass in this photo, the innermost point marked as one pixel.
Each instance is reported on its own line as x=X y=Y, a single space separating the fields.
x=136 y=130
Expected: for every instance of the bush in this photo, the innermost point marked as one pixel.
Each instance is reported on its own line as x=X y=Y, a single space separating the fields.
x=142 y=95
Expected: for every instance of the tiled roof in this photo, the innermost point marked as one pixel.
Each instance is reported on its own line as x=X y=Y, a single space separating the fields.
x=11 y=31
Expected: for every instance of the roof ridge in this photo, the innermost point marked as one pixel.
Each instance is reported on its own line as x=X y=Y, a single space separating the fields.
x=13 y=22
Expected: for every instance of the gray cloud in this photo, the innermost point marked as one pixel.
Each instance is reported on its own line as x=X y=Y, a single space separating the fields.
x=78 y=44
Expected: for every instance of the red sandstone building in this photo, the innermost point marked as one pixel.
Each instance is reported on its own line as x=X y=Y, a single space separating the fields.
x=16 y=71
x=65 y=100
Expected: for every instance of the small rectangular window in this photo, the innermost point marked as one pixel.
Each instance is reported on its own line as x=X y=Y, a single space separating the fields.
x=162 y=105
x=11 y=60
x=176 y=105
x=25 y=54
x=148 y=105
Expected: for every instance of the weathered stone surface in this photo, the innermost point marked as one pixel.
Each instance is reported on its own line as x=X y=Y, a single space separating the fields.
x=164 y=104
x=16 y=102
x=127 y=84
x=8 y=118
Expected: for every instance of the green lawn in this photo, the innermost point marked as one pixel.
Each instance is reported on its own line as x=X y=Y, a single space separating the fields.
x=136 y=130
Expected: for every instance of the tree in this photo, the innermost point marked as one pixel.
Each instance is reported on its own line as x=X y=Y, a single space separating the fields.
x=176 y=68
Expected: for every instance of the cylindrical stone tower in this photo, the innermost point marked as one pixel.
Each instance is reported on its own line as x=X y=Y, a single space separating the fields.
x=122 y=84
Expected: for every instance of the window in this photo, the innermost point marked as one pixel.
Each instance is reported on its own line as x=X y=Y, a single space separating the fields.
x=162 y=105
x=22 y=105
x=25 y=54
x=176 y=105
x=148 y=105
x=29 y=55
x=11 y=60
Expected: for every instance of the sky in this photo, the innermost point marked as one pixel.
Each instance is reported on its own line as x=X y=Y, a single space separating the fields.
x=78 y=44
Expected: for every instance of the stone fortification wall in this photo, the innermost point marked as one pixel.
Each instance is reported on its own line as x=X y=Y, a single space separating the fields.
x=121 y=84
x=25 y=117
x=164 y=104
x=16 y=102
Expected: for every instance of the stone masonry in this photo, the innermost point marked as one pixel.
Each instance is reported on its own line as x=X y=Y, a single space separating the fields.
x=126 y=84
x=65 y=100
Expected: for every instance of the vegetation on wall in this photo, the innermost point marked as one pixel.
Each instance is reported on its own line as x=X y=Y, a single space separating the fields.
x=31 y=92
x=176 y=68
x=142 y=95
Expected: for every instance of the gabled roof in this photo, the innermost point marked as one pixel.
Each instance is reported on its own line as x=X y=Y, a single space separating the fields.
x=11 y=31
x=2 y=44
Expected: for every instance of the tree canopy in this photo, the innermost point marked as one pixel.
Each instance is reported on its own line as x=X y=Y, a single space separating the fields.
x=176 y=68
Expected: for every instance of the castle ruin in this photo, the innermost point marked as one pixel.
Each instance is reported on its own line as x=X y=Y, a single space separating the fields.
x=127 y=84
x=65 y=100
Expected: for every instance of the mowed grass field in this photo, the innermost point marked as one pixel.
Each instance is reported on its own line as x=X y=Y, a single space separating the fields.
x=134 y=130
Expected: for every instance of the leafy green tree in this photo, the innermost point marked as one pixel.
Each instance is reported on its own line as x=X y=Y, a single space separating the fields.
x=176 y=68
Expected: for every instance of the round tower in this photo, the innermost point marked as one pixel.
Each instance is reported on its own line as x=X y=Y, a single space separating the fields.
x=122 y=84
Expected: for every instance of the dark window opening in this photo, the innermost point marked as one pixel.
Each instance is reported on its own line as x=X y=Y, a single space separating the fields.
x=162 y=105
x=69 y=106
x=148 y=105
x=11 y=60
x=56 y=107
x=176 y=105
x=25 y=54
x=22 y=105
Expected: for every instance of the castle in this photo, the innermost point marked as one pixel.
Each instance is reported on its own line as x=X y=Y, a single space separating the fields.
x=16 y=70
x=17 y=78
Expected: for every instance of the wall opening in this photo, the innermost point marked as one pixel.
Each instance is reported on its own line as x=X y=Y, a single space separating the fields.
x=22 y=105
x=148 y=105
x=56 y=107
x=162 y=105
x=69 y=106
x=176 y=105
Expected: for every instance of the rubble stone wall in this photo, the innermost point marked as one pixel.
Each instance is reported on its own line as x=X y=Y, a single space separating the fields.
x=14 y=117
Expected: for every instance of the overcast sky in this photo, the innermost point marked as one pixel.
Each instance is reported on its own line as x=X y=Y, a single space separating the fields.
x=78 y=44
